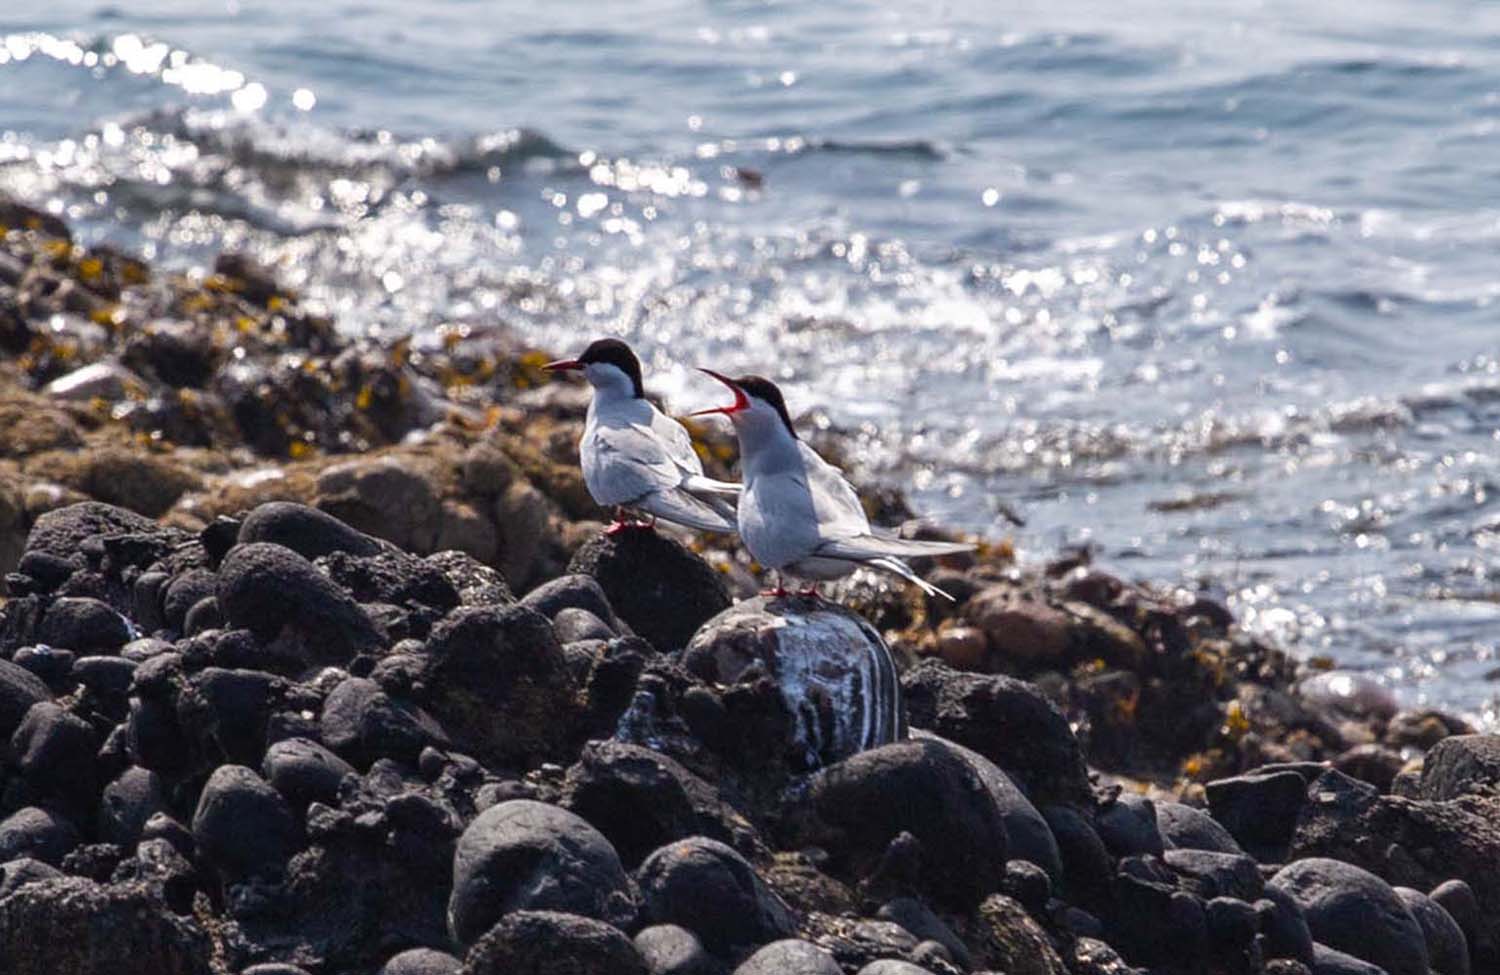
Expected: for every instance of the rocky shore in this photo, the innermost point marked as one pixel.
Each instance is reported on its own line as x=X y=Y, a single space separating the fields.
x=313 y=660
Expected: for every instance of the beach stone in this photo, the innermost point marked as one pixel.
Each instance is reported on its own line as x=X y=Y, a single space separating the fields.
x=1128 y=827
x=40 y=834
x=1447 y=947
x=572 y=591
x=641 y=799
x=1259 y=809
x=309 y=532
x=1457 y=898
x=1461 y=765
x=1193 y=829
x=1088 y=869
x=477 y=584
x=1328 y=961
x=78 y=926
x=893 y=966
x=920 y=920
x=524 y=855
x=391 y=577
x=383 y=497
x=363 y=723
x=19 y=690
x=134 y=796
x=83 y=625
x=705 y=886
x=1350 y=693
x=54 y=750
x=1372 y=763
x=1217 y=874
x=267 y=588
x=274 y=968
x=1024 y=632
x=16 y=873
x=790 y=957
x=572 y=624
x=1353 y=910
x=243 y=826
x=1012 y=942
x=62 y=531
x=833 y=672
x=532 y=942
x=1284 y=926
x=185 y=591
x=108 y=680
x=924 y=788
x=1232 y=923
x=668 y=949
x=228 y=711
x=1007 y=721
x=421 y=961
x=496 y=680
x=304 y=772
x=660 y=589
x=52 y=665
x=522 y=516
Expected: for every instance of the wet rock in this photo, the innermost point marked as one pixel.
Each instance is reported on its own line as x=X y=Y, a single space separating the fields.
x=1010 y=941
x=790 y=957
x=81 y=927
x=269 y=589
x=36 y=833
x=1259 y=810
x=54 y=751
x=641 y=799
x=1352 y=910
x=1462 y=765
x=383 y=497
x=129 y=801
x=553 y=943
x=1007 y=721
x=527 y=855
x=671 y=950
x=421 y=961
x=1128 y=827
x=497 y=681
x=834 y=674
x=305 y=530
x=1193 y=829
x=83 y=625
x=242 y=825
x=19 y=690
x=660 y=589
x=363 y=723
x=1348 y=692
x=305 y=772
x=923 y=788
x=1447 y=948
x=274 y=968
x=711 y=890
x=1232 y=925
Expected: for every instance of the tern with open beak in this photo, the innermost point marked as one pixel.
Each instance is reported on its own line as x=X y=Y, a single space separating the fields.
x=797 y=514
x=636 y=458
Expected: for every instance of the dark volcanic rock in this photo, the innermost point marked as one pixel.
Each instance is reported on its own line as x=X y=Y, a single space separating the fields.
x=81 y=927
x=16 y=873
x=572 y=591
x=129 y=802
x=1461 y=765
x=668 y=949
x=572 y=625
x=304 y=771
x=477 y=584
x=790 y=957
x=1012 y=942
x=19 y=690
x=421 y=961
x=524 y=855
x=36 y=833
x=307 y=531
x=227 y=711
x=1447 y=948
x=1328 y=961
x=663 y=591
x=1259 y=810
x=496 y=679
x=1088 y=870
x=1212 y=874
x=834 y=673
x=54 y=750
x=553 y=943
x=1128 y=826
x=1457 y=898
x=1193 y=829
x=924 y=788
x=1005 y=720
x=1352 y=910
x=242 y=825
x=268 y=589
x=62 y=532
x=712 y=891
x=1284 y=926
x=364 y=723
x=83 y=625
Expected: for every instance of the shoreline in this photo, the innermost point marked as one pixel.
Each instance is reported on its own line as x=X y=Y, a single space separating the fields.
x=421 y=488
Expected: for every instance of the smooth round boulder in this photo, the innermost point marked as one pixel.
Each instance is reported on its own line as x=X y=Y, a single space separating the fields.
x=572 y=591
x=668 y=949
x=553 y=943
x=305 y=772
x=55 y=751
x=243 y=826
x=571 y=624
x=19 y=690
x=40 y=834
x=1329 y=961
x=83 y=625
x=893 y=966
x=790 y=957
x=130 y=801
x=1128 y=827
x=524 y=855
x=1447 y=948
x=659 y=588
x=305 y=530
x=834 y=673
x=363 y=723
x=421 y=961
x=1354 y=911
x=15 y=874
x=1193 y=829
x=705 y=886
x=267 y=588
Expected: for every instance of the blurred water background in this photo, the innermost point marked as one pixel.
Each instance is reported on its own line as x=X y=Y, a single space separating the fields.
x=1208 y=286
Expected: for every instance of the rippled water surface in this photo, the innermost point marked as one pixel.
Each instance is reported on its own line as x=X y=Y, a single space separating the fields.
x=1210 y=286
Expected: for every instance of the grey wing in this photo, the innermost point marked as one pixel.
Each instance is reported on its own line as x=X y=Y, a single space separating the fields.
x=838 y=509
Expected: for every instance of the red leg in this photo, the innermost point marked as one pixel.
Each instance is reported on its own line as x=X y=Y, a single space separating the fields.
x=619 y=524
x=810 y=592
x=778 y=591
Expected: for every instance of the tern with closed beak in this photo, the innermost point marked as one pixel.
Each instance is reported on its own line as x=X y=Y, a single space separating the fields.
x=636 y=458
x=797 y=514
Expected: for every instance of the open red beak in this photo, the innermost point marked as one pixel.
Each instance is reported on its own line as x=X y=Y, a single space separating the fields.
x=563 y=365
x=741 y=401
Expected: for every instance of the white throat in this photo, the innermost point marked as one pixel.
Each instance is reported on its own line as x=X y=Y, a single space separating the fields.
x=610 y=382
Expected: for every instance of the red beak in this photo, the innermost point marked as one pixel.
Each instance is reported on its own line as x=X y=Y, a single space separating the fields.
x=741 y=401
x=563 y=365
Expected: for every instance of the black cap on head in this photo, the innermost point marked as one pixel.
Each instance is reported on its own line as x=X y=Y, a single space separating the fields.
x=617 y=354
x=763 y=389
